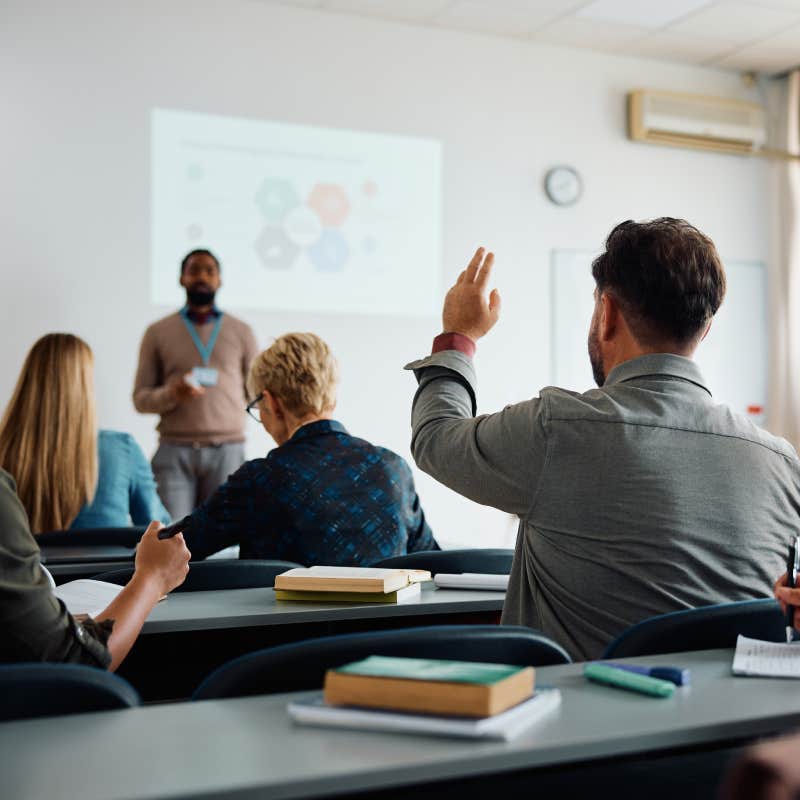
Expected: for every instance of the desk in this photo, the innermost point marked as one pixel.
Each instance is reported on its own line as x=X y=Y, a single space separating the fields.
x=189 y=634
x=248 y=748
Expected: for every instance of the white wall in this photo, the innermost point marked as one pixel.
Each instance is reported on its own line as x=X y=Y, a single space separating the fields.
x=78 y=81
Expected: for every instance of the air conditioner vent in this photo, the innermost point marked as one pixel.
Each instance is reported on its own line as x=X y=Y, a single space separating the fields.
x=685 y=120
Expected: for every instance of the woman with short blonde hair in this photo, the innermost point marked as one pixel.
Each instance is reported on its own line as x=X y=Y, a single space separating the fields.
x=66 y=474
x=322 y=496
x=301 y=370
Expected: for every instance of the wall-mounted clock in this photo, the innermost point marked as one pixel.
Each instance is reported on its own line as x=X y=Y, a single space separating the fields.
x=563 y=185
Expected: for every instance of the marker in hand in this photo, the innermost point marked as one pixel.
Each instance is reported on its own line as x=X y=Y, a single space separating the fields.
x=174 y=529
x=792 y=565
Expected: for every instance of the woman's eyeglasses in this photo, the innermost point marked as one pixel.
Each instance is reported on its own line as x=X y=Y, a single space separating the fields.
x=252 y=409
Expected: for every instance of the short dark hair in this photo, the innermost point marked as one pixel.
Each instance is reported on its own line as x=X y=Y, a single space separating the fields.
x=200 y=252
x=666 y=275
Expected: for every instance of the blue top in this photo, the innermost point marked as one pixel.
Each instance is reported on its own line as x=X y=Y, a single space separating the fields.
x=323 y=497
x=126 y=490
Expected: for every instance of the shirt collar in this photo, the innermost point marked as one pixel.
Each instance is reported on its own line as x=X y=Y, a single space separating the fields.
x=661 y=364
x=321 y=426
x=200 y=319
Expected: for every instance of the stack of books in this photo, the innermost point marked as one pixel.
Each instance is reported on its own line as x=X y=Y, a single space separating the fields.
x=456 y=698
x=350 y=585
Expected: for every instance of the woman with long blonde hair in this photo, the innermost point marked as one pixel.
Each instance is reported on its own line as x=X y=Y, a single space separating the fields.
x=49 y=443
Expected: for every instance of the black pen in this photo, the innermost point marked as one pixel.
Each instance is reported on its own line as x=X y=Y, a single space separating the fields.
x=791 y=581
x=176 y=528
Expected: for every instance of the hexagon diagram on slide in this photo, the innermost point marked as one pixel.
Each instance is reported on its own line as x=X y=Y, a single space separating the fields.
x=331 y=204
x=275 y=249
x=330 y=252
x=275 y=197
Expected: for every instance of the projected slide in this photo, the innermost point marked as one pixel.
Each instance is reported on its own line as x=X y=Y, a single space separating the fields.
x=302 y=218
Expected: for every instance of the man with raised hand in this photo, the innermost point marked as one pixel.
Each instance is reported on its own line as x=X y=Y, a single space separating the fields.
x=637 y=498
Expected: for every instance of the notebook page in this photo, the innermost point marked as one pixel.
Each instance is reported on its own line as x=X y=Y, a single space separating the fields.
x=87 y=596
x=766 y=659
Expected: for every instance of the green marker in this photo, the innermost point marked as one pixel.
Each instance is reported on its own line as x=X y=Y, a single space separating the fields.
x=601 y=673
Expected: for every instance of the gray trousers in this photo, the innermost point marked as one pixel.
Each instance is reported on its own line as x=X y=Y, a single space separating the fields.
x=187 y=475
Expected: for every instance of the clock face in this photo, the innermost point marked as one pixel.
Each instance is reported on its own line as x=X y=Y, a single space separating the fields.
x=563 y=185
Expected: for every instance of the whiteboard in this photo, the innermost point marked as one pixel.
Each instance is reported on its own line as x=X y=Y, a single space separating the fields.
x=733 y=357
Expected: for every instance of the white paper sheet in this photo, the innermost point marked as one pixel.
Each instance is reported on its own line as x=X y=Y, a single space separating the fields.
x=766 y=659
x=87 y=596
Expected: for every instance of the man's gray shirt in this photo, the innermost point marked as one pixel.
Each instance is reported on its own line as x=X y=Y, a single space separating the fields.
x=635 y=499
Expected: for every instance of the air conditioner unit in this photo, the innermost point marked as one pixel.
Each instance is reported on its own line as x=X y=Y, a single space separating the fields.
x=689 y=120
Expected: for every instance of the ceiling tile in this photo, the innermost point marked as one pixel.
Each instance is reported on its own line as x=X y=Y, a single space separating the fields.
x=786 y=5
x=779 y=53
x=735 y=22
x=635 y=12
x=672 y=47
x=592 y=34
x=517 y=18
x=411 y=10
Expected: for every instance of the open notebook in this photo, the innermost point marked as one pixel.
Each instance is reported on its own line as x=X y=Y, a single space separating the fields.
x=766 y=659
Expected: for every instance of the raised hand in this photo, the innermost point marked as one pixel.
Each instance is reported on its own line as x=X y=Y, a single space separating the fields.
x=468 y=309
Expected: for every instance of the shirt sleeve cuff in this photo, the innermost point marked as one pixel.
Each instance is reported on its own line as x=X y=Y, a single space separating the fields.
x=454 y=341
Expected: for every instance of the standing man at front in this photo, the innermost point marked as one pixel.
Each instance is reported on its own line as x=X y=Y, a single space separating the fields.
x=192 y=370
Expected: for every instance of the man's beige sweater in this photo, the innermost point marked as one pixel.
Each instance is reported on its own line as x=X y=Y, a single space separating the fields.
x=168 y=350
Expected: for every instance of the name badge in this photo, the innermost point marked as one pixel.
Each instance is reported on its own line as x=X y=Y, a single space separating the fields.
x=205 y=376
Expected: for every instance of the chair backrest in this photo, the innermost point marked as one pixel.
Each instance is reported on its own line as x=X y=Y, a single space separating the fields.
x=223 y=574
x=494 y=561
x=302 y=665
x=83 y=537
x=702 y=628
x=49 y=690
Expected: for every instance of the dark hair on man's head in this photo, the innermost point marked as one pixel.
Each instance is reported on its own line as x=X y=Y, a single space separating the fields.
x=197 y=253
x=667 y=277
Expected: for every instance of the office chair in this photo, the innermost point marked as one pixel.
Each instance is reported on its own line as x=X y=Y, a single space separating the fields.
x=702 y=628
x=223 y=574
x=302 y=665
x=49 y=690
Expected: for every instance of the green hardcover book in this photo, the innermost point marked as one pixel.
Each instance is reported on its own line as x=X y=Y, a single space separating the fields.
x=434 y=686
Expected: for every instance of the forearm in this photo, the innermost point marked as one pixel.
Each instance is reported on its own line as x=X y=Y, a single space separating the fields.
x=154 y=400
x=493 y=459
x=129 y=610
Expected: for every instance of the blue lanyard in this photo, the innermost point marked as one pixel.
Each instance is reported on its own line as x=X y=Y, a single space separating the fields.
x=205 y=350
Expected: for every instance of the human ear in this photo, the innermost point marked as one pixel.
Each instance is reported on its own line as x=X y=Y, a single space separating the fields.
x=274 y=404
x=609 y=317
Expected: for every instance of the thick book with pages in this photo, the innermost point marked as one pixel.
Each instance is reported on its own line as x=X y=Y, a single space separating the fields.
x=348 y=579
x=433 y=686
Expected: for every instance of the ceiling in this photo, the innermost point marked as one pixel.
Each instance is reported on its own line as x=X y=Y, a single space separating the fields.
x=747 y=35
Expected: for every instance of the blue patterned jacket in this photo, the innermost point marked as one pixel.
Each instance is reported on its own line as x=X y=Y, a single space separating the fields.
x=323 y=497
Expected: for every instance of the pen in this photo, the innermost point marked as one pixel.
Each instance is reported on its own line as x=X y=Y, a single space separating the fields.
x=791 y=581
x=174 y=529
x=632 y=681
x=677 y=675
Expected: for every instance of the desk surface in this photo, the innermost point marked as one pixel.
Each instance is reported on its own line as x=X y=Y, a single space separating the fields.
x=249 y=748
x=239 y=608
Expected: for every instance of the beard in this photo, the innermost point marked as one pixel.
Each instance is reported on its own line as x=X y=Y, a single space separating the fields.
x=595 y=359
x=200 y=297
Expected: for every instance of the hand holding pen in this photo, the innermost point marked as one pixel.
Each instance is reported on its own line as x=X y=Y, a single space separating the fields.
x=174 y=529
x=786 y=590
